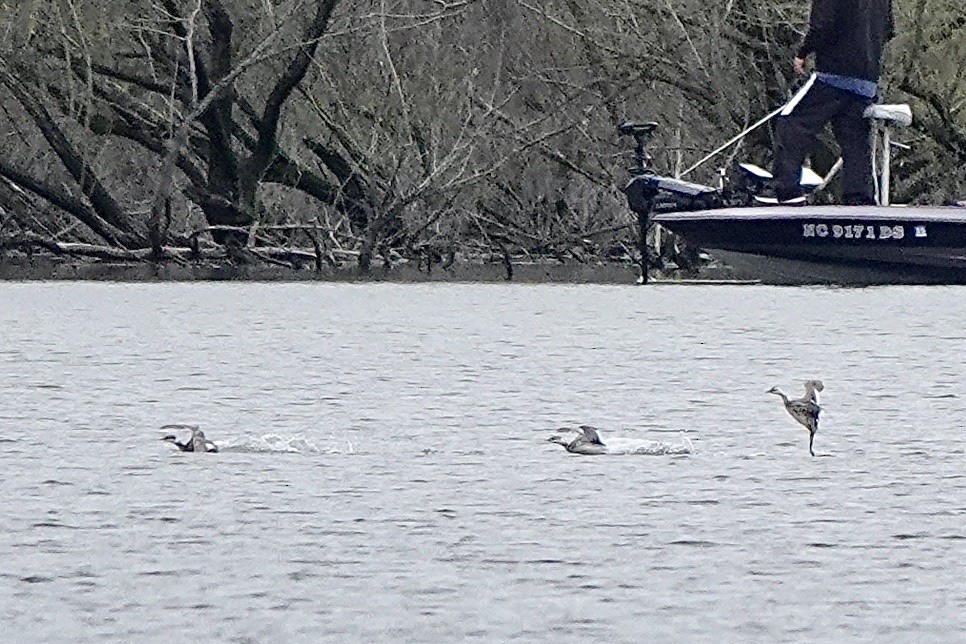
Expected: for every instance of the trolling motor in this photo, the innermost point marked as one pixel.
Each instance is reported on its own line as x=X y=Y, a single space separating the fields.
x=648 y=192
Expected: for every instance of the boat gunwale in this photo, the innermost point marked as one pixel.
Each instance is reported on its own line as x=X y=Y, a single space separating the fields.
x=910 y=214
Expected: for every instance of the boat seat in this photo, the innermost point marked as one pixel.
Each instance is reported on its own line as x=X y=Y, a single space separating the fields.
x=885 y=117
x=898 y=115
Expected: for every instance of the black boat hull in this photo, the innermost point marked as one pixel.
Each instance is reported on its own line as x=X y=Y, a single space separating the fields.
x=832 y=244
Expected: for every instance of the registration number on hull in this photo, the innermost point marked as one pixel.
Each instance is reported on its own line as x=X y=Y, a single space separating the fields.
x=860 y=231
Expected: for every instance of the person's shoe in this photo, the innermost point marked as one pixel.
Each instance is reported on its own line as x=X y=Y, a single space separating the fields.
x=771 y=200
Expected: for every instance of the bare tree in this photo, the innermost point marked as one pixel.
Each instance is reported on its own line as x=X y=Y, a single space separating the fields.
x=388 y=128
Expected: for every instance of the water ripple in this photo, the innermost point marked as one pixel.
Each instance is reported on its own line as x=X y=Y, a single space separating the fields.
x=385 y=475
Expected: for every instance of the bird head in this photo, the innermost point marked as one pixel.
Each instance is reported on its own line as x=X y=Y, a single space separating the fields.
x=774 y=390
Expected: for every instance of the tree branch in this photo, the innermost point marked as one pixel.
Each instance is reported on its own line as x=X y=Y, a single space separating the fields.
x=102 y=201
x=63 y=201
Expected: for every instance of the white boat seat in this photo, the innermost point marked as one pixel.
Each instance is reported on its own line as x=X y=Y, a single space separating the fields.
x=885 y=117
x=899 y=114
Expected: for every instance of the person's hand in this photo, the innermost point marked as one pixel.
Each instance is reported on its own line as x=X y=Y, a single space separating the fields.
x=799 y=65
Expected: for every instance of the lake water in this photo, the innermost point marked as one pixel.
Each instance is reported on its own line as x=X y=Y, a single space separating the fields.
x=386 y=474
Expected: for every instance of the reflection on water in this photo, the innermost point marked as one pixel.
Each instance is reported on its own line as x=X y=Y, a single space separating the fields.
x=386 y=473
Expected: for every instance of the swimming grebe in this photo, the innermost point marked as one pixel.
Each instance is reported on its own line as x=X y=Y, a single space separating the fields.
x=197 y=442
x=805 y=409
x=587 y=442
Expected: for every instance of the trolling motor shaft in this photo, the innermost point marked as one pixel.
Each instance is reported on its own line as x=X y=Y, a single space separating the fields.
x=641 y=189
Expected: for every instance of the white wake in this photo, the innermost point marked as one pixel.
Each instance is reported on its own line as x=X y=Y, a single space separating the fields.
x=273 y=443
x=642 y=447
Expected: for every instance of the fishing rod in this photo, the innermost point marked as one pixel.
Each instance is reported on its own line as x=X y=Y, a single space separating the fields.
x=784 y=110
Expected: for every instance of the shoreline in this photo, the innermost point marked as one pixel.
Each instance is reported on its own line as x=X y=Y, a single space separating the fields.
x=50 y=268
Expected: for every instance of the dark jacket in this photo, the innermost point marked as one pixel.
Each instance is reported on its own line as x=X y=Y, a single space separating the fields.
x=847 y=36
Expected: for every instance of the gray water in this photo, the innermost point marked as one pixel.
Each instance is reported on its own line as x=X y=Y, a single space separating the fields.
x=386 y=474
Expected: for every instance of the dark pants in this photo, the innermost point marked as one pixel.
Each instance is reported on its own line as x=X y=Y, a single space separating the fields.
x=796 y=135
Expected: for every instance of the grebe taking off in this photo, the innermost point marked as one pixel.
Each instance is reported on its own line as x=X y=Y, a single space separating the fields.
x=197 y=442
x=805 y=409
x=587 y=442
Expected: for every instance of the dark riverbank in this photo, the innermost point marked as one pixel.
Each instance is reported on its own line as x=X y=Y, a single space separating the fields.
x=55 y=268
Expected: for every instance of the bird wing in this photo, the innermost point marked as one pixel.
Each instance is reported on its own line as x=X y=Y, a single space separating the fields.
x=806 y=412
x=591 y=435
x=812 y=387
x=188 y=444
x=814 y=384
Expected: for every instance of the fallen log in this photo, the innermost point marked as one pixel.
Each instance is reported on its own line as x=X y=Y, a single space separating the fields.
x=29 y=241
x=278 y=255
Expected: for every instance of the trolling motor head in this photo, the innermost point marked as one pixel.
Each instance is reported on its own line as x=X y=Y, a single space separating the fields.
x=642 y=133
x=637 y=129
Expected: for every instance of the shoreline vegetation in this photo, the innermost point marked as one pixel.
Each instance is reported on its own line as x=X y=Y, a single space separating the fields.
x=335 y=138
x=273 y=253
x=485 y=270
x=459 y=268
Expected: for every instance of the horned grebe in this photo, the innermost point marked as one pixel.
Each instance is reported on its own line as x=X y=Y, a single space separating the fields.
x=197 y=442
x=587 y=442
x=805 y=409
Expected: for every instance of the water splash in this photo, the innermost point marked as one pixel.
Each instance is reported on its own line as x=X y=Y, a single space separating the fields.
x=273 y=443
x=643 y=447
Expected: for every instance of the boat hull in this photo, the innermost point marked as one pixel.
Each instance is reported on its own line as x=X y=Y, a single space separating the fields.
x=855 y=245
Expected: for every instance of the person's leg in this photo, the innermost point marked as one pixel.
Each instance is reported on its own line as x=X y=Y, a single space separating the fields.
x=853 y=132
x=795 y=136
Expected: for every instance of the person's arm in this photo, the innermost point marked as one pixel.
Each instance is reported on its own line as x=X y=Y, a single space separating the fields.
x=821 y=27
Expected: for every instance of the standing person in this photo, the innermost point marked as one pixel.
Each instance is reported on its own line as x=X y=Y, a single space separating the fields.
x=847 y=38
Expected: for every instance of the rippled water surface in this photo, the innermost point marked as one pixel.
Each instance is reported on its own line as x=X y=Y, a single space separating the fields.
x=386 y=474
